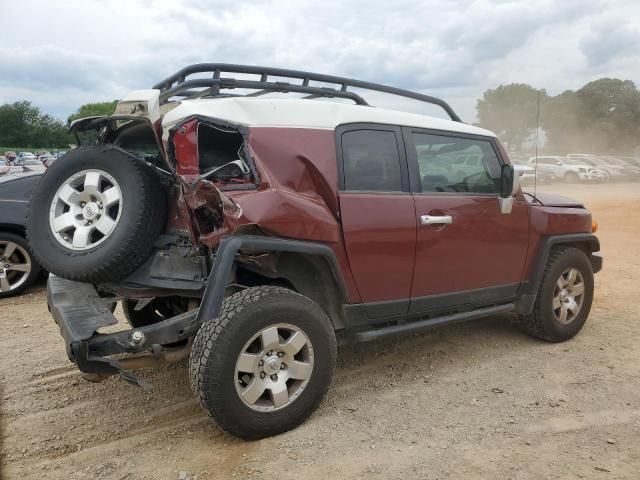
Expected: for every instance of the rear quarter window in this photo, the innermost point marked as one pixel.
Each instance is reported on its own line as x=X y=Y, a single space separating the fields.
x=371 y=161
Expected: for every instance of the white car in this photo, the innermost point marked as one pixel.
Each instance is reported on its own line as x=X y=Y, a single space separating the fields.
x=614 y=171
x=570 y=170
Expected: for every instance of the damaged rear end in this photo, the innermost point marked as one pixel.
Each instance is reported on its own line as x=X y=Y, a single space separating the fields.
x=215 y=188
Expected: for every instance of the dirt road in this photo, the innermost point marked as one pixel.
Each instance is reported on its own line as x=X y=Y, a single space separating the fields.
x=476 y=401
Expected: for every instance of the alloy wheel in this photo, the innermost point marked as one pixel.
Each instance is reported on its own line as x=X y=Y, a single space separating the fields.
x=15 y=266
x=568 y=295
x=86 y=209
x=274 y=367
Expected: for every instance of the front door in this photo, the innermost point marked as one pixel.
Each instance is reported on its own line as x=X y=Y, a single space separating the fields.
x=467 y=251
x=378 y=216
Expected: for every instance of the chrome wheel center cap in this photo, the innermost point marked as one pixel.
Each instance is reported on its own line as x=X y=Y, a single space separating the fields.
x=90 y=211
x=272 y=365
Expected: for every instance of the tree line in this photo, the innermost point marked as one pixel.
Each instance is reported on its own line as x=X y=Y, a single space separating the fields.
x=24 y=125
x=601 y=117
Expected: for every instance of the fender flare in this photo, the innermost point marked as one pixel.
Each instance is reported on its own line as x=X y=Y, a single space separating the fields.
x=225 y=258
x=530 y=290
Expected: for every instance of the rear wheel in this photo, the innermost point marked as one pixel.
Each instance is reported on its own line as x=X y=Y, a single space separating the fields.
x=265 y=364
x=18 y=269
x=564 y=298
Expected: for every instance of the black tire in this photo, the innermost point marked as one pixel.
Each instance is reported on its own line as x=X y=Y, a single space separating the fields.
x=219 y=342
x=141 y=220
x=542 y=322
x=16 y=280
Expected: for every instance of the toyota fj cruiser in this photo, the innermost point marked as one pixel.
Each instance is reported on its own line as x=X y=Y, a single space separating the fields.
x=249 y=233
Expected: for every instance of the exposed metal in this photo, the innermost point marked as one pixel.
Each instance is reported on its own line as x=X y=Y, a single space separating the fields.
x=568 y=295
x=179 y=85
x=15 y=266
x=85 y=210
x=278 y=360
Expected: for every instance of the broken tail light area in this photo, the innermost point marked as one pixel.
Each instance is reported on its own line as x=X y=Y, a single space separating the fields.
x=185 y=147
x=200 y=152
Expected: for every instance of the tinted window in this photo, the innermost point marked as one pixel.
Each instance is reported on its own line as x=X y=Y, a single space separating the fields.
x=371 y=161
x=440 y=170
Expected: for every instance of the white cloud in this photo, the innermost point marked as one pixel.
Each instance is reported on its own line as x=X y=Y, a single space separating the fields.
x=62 y=54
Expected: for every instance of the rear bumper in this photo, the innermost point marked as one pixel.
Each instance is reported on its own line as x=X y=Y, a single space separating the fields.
x=80 y=312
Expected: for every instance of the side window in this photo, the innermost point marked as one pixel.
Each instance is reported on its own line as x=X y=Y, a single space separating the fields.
x=371 y=161
x=439 y=171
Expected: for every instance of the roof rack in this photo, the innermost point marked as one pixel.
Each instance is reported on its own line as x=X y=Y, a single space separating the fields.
x=178 y=85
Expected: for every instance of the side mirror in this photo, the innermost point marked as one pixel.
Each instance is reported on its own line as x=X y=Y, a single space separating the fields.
x=508 y=181
x=508 y=187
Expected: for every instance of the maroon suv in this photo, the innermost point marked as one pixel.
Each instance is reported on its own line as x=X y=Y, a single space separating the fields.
x=249 y=233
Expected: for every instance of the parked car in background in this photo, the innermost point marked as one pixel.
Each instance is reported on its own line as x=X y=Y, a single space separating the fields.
x=33 y=165
x=10 y=157
x=628 y=169
x=529 y=176
x=45 y=158
x=615 y=171
x=631 y=161
x=25 y=155
x=566 y=169
x=18 y=268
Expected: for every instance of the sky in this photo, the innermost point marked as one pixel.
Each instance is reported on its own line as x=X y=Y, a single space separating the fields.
x=62 y=54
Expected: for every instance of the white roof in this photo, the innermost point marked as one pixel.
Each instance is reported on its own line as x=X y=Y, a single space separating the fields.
x=300 y=113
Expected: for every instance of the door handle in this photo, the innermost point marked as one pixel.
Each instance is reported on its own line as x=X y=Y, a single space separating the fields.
x=436 y=220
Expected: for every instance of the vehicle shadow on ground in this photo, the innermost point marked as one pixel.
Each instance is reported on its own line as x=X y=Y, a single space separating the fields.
x=171 y=404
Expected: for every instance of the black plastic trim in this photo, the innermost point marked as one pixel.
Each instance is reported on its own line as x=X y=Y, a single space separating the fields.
x=464 y=298
x=372 y=313
x=225 y=257
x=529 y=293
x=420 y=325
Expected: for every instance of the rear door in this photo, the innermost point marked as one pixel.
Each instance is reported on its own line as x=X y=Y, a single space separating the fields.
x=378 y=215
x=467 y=251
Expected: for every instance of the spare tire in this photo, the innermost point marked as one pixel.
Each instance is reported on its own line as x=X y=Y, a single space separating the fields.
x=95 y=215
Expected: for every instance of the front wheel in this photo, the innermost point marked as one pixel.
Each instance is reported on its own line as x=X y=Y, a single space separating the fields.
x=564 y=298
x=265 y=364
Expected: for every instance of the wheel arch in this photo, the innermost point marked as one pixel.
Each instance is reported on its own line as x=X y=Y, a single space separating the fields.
x=586 y=242
x=310 y=268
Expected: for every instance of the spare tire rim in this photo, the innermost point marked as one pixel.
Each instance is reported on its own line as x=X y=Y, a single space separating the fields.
x=568 y=295
x=15 y=266
x=274 y=367
x=86 y=209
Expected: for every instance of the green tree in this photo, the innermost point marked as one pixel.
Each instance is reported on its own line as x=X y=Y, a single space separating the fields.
x=510 y=111
x=24 y=125
x=601 y=117
x=93 y=110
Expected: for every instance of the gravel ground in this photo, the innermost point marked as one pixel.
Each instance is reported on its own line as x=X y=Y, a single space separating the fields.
x=478 y=400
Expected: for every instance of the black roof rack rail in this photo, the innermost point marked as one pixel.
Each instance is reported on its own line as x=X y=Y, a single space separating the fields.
x=178 y=84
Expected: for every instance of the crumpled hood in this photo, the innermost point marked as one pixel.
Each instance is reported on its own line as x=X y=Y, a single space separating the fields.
x=553 y=200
